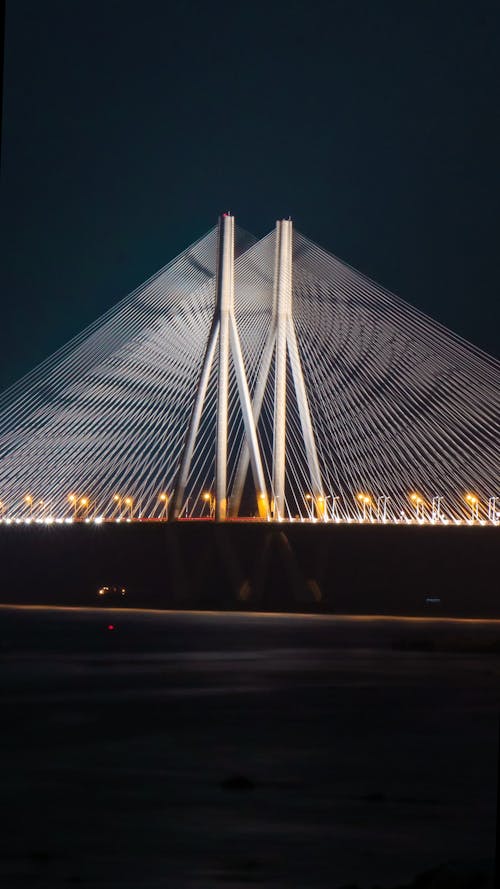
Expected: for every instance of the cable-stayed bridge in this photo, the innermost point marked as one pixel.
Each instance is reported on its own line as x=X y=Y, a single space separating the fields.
x=256 y=379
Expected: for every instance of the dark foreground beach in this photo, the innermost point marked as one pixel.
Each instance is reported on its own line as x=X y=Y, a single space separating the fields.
x=159 y=749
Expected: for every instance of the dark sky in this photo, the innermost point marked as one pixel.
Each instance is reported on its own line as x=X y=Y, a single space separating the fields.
x=128 y=126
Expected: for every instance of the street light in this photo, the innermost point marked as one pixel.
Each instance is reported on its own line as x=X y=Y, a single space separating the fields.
x=73 y=499
x=129 y=504
x=419 y=504
x=366 y=502
x=436 y=514
x=29 y=502
x=164 y=500
x=85 y=504
x=473 y=502
x=382 y=508
x=317 y=505
x=209 y=498
x=335 y=515
x=493 y=513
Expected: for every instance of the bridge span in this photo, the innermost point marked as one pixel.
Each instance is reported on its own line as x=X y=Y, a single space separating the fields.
x=256 y=380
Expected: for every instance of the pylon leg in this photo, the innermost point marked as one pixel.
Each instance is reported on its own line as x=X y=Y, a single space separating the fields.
x=258 y=398
x=187 y=454
x=225 y=299
x=306 y=423
x=283 y=305
x=248 y=420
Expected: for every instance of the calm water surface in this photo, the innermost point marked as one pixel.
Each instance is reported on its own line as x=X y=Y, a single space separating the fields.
x=364 y=749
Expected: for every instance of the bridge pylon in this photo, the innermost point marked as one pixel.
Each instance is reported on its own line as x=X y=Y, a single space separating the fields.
x=223 y=332
x=282 y=344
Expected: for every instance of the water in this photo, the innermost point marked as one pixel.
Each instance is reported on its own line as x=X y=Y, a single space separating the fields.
x=364 y=749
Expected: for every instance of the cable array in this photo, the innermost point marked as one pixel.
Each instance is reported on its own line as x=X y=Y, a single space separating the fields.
x=405 y=411
x=405 y=414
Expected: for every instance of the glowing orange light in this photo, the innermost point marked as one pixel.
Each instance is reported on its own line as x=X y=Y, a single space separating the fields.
x=416 y=499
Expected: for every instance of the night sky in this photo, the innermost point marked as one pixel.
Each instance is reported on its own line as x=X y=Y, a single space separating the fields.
x=127 y=128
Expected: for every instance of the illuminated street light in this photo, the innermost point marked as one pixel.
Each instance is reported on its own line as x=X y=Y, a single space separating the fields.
x=164 y=499
x=473 y=502
x=366 y=503
x=317 y=506
x=73 y=499
x=209 y=498
x=419 y=504
x=29 y=502
x=129 y=504
x=85 y=504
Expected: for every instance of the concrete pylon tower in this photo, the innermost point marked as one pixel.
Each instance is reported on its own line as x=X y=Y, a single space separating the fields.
x=224 y=332
x=282 y=342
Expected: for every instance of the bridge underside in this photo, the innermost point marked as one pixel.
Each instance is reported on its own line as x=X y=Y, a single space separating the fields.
x=256 y=379
x=258 y=566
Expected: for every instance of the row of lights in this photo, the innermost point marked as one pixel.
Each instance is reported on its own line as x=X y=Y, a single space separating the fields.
x=82 y=505
x=367 y=504
x=371 y=508
x=99 y=520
